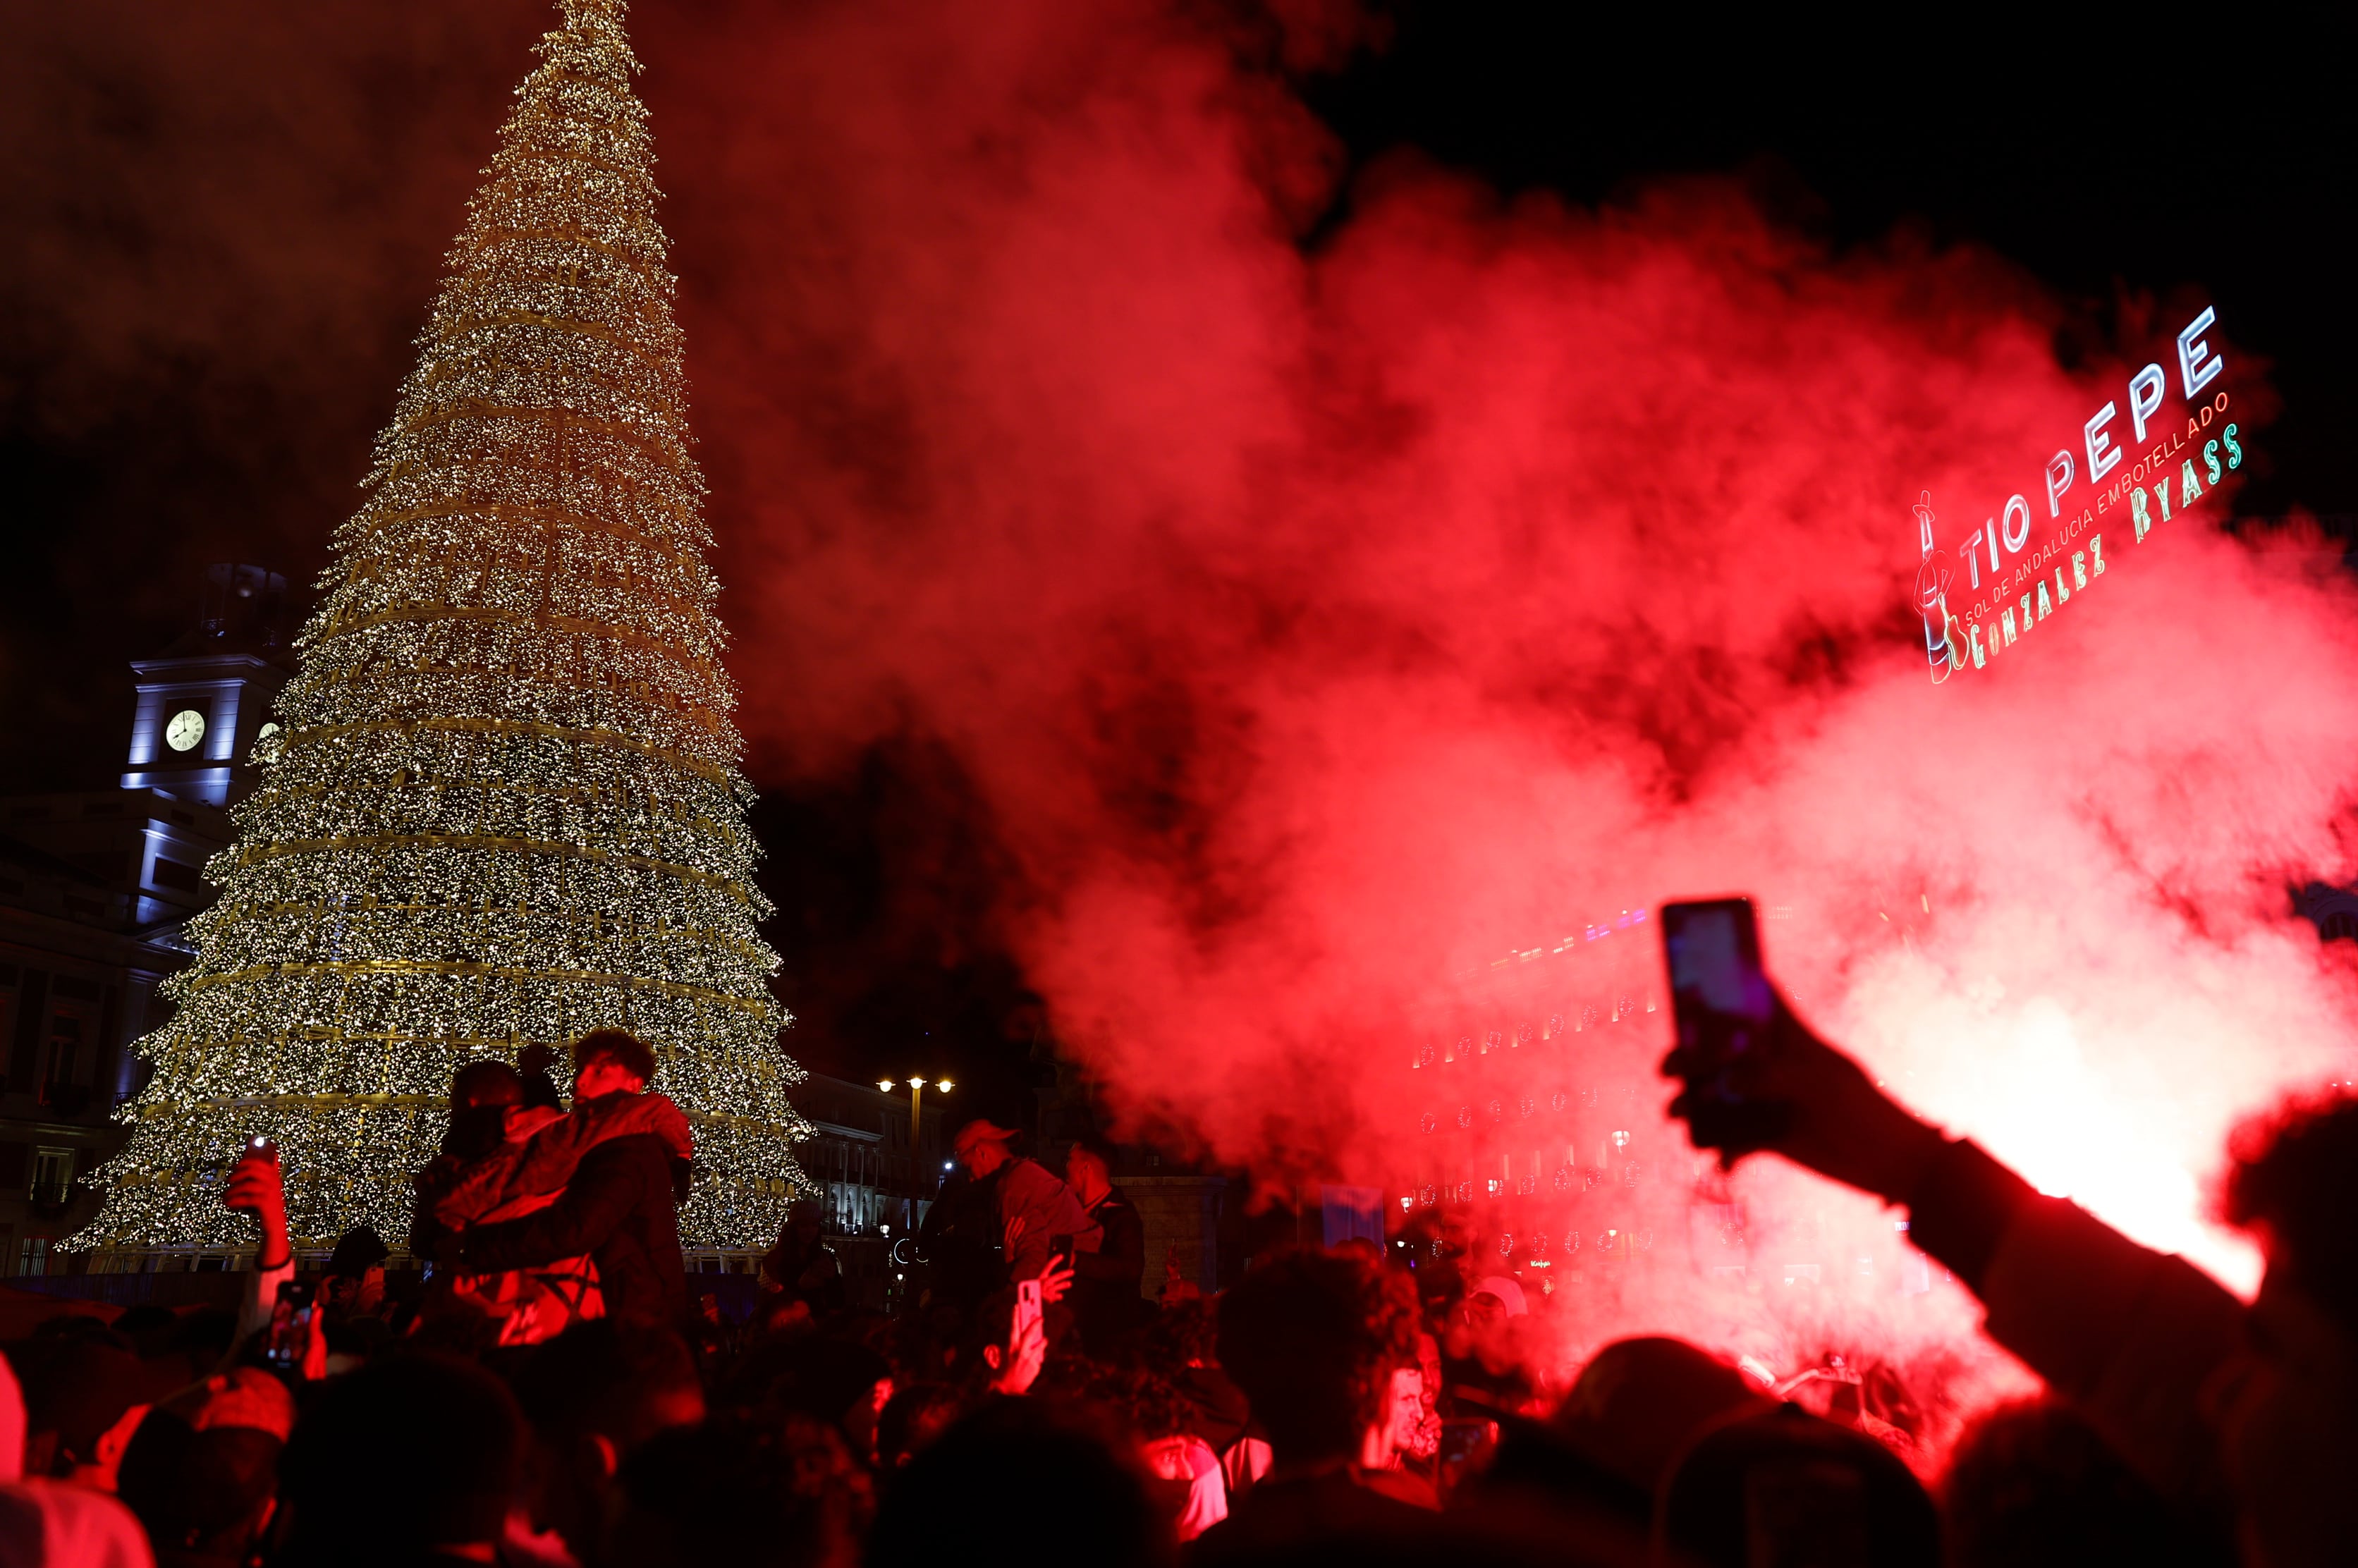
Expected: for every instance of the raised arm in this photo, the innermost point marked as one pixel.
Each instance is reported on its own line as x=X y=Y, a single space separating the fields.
x=2129 y=1335
x=255 y=1188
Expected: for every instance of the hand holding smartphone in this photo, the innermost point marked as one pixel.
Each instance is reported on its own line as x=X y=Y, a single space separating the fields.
x=1727 y=1015
x=1027 y=1343
x=290 y=1326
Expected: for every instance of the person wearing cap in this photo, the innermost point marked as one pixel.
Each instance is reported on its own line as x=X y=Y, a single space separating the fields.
x=1482 y=1347
x=1033 y=1208
x=201 y=1470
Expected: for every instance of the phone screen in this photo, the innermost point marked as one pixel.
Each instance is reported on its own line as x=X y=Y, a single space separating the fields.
x=1714 y=955
x=290 y=1323
x=1720 y=995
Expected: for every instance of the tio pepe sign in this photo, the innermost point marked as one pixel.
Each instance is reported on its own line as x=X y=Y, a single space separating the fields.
x=2013 y=572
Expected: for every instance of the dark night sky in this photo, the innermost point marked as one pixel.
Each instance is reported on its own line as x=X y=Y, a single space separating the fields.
x=223 y=233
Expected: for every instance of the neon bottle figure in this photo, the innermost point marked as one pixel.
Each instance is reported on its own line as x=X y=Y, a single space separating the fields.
x=1932 y=575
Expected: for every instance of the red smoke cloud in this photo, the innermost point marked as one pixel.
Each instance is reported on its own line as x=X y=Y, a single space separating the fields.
x=1322 y=626
x=1319 y=623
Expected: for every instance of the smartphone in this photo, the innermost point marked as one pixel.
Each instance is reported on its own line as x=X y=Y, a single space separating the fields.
x=1027 y=1309
x=263 y=1147
x=290 y=1323
x=1060 y=1252
x=1465 y=1444
x=1723 y=1008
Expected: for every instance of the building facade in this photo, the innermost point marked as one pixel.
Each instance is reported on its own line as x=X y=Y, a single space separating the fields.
x=860 y=1157
x=95 y=888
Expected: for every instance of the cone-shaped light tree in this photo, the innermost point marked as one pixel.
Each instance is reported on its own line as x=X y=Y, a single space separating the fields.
x=501 y=804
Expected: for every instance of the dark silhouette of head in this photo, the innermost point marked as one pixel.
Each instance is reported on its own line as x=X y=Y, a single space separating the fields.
x=1009 y=1450
x=750 y=1493
x=1313 y=1338
x=595 y=1395
x=2291 y=1184
x=485 y=1083
x=413 y=1450
x=2032 y=1485
x=617 y=1050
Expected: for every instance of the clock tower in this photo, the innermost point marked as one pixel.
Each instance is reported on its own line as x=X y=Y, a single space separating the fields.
x=205 y=701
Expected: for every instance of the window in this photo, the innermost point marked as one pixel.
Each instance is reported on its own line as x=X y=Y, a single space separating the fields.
x=32 y=1257
x=53 y=1175
x=65 y=1046
x=169 y=873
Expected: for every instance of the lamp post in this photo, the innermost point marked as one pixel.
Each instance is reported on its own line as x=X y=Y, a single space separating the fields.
x=916 y=1105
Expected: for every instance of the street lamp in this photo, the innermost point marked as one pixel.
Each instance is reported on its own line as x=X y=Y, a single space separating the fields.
x=916 y=1103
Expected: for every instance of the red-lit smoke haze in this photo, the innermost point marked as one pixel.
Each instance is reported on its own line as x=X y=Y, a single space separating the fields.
x=1320 y=624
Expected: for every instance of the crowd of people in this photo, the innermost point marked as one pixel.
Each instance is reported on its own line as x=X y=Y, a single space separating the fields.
x=550 y=1392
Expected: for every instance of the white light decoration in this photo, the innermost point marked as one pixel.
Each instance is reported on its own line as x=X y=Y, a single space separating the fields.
x=501 y=805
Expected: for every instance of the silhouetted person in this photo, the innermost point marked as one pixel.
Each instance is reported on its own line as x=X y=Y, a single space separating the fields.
x=1015 y=1469
x=802 y=1265
x=593 y=1396
x=2204 y=1397
x=414 y=1459
x=481 y=1094
x=736 y=1494
x=1034 y=1209
x=2033 y=1486
x=1106 y=1282
x=203 y=1470
x=1314 y=1339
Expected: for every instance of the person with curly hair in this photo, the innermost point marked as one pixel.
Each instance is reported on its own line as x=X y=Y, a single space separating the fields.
x=1314 y=1339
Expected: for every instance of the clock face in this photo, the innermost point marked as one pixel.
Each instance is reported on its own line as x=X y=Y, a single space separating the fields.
x=186 y=728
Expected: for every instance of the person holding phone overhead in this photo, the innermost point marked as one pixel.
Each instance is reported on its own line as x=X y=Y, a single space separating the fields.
x=255 y=1187
x=2214 y=1403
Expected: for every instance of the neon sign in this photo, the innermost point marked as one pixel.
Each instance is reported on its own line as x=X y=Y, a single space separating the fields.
x=2012 y=581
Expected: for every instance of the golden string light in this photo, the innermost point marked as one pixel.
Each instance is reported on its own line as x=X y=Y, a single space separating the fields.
x=503 y=807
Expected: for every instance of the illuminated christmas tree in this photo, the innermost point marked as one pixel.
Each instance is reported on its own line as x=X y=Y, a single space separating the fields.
x=499 y=804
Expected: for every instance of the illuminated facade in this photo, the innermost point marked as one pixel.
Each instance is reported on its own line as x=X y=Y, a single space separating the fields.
x=1537 y=1119
x=96 y=886
x=857 y=1156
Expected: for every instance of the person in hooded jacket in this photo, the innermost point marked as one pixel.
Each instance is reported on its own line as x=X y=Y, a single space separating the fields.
x=623 y=1166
